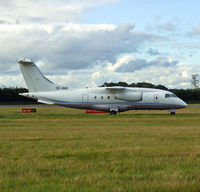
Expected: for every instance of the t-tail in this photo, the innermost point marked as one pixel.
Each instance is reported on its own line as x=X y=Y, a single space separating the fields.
x=35 y=80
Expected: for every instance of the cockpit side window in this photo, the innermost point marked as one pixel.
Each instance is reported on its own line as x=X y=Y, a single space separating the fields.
x=173 y=95
x=169 y=95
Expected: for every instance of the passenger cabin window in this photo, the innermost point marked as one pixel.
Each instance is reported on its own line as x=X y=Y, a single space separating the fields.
x=108 y=97
x=95 y=97
x=101 y=97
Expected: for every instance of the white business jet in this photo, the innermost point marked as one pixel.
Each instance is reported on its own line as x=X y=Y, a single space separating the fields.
x=109 y=99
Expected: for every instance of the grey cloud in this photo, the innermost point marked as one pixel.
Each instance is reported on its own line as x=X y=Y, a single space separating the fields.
x=62 y=50
x=125 y=28
x=153 y=52
x=8 y=22
x=73 y=49
x=133 y=66
x=37 y=19
x=83 y=50
x=2 y=22
x=163 y=62
x=169 y=26
x=139 y=64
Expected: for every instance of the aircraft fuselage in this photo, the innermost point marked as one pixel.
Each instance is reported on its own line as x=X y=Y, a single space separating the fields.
x=111 y=99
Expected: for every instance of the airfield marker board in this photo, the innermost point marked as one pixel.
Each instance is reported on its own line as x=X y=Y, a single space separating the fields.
x=94 y=111
x=29 y=110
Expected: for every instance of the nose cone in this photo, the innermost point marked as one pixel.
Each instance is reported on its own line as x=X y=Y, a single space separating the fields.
x=182 y=104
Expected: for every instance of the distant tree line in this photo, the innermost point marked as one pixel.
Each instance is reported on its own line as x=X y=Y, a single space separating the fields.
x=140 y=84
x=11 y=95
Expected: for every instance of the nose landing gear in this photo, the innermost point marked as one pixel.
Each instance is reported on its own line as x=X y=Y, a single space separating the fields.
x=172 y=111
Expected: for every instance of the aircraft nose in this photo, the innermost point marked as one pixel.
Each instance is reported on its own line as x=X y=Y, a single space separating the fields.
x=183 y=104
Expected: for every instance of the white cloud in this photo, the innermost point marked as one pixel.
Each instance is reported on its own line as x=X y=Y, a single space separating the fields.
x=52 y=12
x=121 y=61
x=12 y=80
x=88 y=28
x=79 y=55
x=96 y=75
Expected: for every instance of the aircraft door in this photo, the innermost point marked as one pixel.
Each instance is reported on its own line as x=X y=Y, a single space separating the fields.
x=85 y=98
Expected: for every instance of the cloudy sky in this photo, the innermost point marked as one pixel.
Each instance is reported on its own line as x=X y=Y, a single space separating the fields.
x=84 y=43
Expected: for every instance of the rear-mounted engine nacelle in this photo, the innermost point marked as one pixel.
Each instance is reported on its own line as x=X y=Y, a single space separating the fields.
x=129 y=96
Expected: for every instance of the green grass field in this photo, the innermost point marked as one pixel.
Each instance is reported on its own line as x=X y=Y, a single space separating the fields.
x=60 y=149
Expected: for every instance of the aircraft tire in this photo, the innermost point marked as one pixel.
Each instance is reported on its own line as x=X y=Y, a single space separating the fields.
x=113 y=112
x=173 y=113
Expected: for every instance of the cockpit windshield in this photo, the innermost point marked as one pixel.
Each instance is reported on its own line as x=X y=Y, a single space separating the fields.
x=169 y=95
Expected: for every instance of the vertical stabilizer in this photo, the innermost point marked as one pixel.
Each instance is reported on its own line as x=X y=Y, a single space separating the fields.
x=35 y=80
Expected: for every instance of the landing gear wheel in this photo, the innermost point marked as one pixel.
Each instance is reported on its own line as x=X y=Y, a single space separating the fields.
x=113 y=112
x=173 y=113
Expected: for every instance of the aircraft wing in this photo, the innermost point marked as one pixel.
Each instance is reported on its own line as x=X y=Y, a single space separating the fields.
x=45 y=101
x=115 y=88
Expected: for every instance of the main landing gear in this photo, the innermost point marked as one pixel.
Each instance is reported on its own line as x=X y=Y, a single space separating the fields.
x=113 y=112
